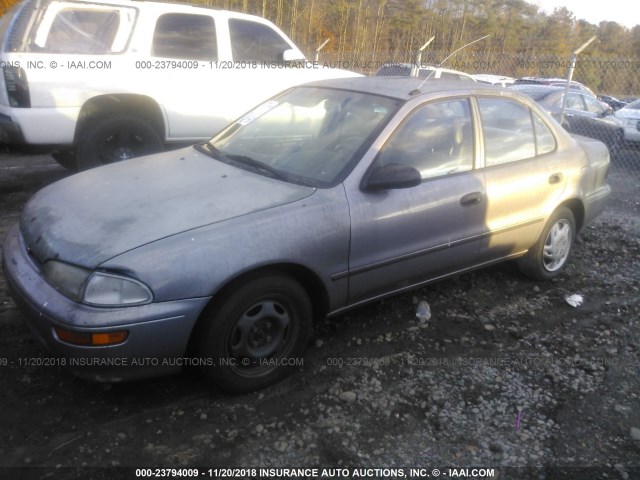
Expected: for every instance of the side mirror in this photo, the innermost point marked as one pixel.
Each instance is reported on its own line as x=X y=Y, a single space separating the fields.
x=292 y=55
x=392 y=176
x=608 y=111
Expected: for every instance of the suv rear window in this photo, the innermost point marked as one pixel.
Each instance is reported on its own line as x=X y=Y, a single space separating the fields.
x=83 y=31
x=69 y=27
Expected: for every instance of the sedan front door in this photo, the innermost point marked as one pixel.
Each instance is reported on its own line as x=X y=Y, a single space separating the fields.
x=401 y=237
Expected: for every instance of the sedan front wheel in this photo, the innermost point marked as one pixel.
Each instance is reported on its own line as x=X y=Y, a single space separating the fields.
x=255 y=334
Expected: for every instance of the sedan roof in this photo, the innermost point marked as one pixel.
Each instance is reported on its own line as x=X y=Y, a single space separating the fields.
x=402 y=88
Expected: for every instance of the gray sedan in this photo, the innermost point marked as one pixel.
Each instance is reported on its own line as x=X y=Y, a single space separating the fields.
x=584 y=114
x=326 y=197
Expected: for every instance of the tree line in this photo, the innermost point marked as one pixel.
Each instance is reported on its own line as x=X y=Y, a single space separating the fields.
x=365 y=26
x=523 y=39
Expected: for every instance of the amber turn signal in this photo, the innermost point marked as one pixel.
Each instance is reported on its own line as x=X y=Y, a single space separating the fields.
x=91 y=339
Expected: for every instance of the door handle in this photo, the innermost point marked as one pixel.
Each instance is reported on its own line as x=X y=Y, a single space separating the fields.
x=555 y=178
x=471 y=199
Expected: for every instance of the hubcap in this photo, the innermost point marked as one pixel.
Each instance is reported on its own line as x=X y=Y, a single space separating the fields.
x=123 y=144
x=123 y=153
x=260 y=333
x=557 y=246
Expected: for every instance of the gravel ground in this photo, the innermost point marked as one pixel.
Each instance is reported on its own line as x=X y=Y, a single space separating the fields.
x=504 y=375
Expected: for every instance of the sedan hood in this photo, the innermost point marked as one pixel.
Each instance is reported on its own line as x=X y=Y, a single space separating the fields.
x=93 y=216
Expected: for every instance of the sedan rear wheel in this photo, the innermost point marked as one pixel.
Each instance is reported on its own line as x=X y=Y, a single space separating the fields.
x=549 y=256
x=255 y=334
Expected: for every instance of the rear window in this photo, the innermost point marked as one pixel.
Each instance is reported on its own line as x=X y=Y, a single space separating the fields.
x=83 y=31
x=68 y=27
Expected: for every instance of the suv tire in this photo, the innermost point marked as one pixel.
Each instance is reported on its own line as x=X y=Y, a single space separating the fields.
x=114 y=137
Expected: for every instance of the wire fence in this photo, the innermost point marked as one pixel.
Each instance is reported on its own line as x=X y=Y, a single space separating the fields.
x=602 y=100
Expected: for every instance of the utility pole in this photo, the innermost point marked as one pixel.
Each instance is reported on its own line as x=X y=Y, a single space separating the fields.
x=572 y=66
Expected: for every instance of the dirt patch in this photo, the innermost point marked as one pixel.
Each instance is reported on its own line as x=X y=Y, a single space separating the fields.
x=504 y=374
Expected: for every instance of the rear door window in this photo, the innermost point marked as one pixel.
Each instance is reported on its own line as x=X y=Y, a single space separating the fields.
x=512 y=132
x=185 y=36
x=508 y=131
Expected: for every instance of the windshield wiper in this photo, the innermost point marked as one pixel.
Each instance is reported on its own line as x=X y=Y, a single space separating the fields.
x=208 y=149
x=211 y=151
x=258 y=165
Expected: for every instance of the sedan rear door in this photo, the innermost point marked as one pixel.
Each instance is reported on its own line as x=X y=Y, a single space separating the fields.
x=524 y=175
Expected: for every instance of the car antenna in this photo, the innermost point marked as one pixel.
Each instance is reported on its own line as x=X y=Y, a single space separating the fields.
x=417 y=90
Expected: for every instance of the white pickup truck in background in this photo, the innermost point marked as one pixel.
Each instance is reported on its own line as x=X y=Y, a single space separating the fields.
x=98 y=82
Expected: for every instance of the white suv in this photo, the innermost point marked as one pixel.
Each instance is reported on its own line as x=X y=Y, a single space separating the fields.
x=105 y=81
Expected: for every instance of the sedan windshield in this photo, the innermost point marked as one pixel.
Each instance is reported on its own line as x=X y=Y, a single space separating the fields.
x=308 y=135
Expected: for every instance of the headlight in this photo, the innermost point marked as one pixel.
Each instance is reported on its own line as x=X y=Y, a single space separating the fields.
x=95 y=288
x=67 y=279
x=106 y=289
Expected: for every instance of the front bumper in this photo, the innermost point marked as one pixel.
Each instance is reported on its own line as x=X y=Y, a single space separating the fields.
x=158 y=332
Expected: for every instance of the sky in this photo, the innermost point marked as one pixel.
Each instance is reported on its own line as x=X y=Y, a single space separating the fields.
x=624 y=12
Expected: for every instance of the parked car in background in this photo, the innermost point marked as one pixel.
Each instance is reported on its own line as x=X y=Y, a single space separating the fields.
x=629 y=115
x=583 y=114
x=555 y=82
x=328 y=196
x=613 y=102
x=98 y=82
x=493 y=79
x=422 y=71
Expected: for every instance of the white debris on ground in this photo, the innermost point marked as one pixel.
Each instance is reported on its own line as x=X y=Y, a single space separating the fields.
x=574 y=300
x=423 y=312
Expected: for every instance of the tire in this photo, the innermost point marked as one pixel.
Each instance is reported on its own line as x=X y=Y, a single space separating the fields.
x=274 y=313
x=550 y=255
x=66 y=158
x=114 y=137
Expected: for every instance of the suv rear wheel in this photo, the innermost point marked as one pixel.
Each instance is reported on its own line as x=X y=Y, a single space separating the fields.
x=115 y=137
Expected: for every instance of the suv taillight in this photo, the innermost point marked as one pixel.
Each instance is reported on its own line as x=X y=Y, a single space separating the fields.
x=15 y=80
